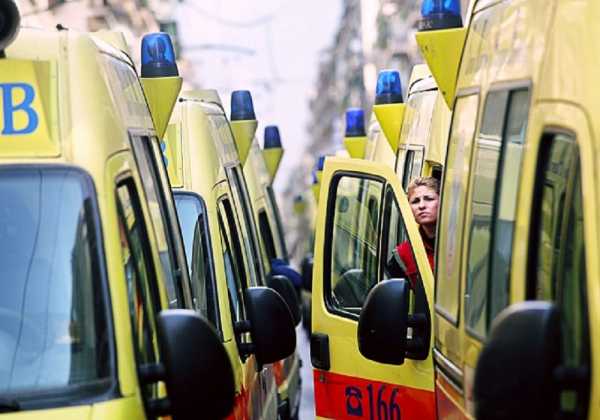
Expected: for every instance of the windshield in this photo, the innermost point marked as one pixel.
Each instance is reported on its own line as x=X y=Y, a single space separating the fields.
x=53 y=325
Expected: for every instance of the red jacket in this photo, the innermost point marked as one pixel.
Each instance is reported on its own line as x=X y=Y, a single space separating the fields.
x=407 y=257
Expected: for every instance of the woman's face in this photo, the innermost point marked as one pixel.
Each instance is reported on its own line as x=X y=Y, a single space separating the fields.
x=424 y=204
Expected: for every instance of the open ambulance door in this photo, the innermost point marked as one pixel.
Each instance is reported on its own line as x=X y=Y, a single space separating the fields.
x=363 y=220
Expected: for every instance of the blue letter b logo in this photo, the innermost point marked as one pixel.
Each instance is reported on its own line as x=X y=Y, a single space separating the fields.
x=25 y=106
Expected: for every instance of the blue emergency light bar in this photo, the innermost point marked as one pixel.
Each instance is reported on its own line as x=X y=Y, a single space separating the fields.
x=158 y=56
x=440 y=14
x=242 y=107
x=355 y=122
x=272 y=137
x=389 y=88
x=321 y=163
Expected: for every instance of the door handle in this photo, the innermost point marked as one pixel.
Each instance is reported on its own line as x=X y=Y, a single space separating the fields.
x=319 y=351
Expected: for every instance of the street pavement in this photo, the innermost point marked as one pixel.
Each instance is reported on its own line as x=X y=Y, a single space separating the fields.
x=307 y=404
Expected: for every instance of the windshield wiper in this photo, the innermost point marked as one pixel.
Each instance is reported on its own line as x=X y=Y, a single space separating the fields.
x=8 y=405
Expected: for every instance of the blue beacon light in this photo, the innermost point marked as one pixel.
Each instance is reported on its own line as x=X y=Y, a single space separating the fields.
x=272 y=137
x=389 y=88
x=440 y=14
x=242 y=107
x=321 y=163
x=158 y=56
x=355 y=123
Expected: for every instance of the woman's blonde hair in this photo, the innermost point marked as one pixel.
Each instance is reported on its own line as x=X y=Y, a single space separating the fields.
x=424 y=181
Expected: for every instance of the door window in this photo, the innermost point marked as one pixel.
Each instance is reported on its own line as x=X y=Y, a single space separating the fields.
x=399 y=256
x=266 y=234
x=496 y=168
x=559 y=264
x=248 y=226
x=354 y=220
x=191 y=210
x=280 y=233
x=158 y=212
x=451 y=219
x=233 y=258
x=143 y=296
x=509 y=175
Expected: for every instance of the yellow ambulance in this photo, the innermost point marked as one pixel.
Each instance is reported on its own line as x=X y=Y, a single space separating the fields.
x=84 y=319
x=260 y=169
x=208 y=183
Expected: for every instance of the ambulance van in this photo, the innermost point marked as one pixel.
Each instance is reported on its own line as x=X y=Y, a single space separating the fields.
x=519 y=216
x=206 y=176
x=86 y=329
x=274 y=253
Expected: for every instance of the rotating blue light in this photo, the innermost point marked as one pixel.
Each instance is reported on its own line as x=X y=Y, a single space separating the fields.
x=158 y=56
x=272 y=137
x=242 y=107
x=389 y=88
x=440 y=14
x=355 y=122
x=321 y=162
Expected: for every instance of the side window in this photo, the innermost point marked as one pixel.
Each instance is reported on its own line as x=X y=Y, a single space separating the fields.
x=513 y=142
x=408 y=168
x=399 y=256
x=144 y=302
x=352 y=252
x=436 y=172
x=157 y=206
x=273 y=202
x=558 y=263
x=451 y=219
x=248 y=226
x=192 y=215
x=266 y=234
x=233 y=258
x=495 y=168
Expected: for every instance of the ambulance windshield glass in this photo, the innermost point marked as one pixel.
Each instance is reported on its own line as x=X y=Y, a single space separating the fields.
x=53 y=318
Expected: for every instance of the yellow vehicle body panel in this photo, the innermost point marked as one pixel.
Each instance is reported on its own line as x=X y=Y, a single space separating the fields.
x=356 y=146
x=161 y=93
x=441 y=50
x=272 y=159
x=390 y=117
x=243 y=134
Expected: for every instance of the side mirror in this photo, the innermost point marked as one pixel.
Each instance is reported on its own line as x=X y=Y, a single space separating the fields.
x=515 y=374
x=197 y=369
x=283 y=285
x=307 y=271
x=384 y=324
x=270 y=325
